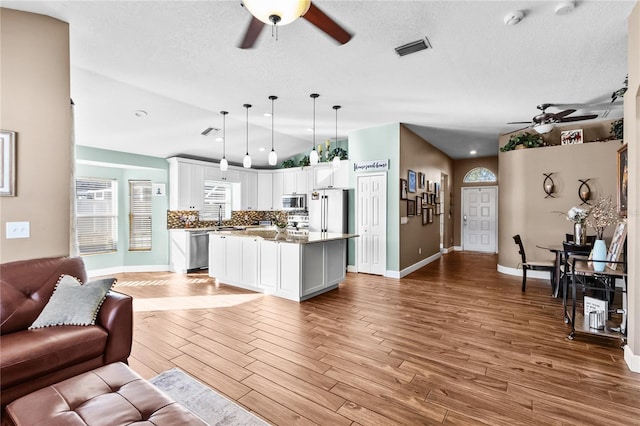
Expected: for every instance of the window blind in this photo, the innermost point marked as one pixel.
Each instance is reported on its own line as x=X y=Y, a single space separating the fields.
x=140 y=215
x=96 y=215
x=217 y=201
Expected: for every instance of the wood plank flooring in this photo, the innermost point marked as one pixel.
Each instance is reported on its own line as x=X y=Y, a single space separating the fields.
x=453 y=343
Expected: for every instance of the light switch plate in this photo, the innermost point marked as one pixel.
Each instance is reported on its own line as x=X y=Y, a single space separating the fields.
x=18 y=230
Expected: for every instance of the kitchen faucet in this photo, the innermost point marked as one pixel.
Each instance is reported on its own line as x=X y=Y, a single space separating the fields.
x=220 y=215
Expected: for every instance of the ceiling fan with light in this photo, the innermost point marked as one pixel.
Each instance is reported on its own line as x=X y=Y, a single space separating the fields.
x=282 y=12
x=546 y=121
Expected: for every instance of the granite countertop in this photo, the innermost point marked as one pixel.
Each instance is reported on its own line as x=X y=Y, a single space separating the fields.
x=269 y=234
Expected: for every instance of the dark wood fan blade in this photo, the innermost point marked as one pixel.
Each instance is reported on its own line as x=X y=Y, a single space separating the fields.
x=562 y=114
x=326 y=24
x=519 y=122
x=519 y=130
x=251 y=34
x=579 y=118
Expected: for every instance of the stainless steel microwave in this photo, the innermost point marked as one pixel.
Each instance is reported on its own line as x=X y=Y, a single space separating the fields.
x=294 y=202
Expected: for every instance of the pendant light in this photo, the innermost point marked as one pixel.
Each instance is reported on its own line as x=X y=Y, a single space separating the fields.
x=224 y=164
x=336 y=158
x=273 y=157
x=313 y=156
x=246 y=162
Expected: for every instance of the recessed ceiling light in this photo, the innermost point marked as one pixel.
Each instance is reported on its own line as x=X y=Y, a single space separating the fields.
x=309 y=130
x=267 y=114
x=140 y=113
x=512 y=18
x=219 y=139
x=261 y=149
x=565 y=8
x=473 y=152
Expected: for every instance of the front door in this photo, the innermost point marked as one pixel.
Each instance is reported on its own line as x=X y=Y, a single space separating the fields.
x=479 y=212
x=371 y=224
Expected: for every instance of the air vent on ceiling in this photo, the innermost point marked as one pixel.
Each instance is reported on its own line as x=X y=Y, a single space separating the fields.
x=413 y=47
x=208 y=130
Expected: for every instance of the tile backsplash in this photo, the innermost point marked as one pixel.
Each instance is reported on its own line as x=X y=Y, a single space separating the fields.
x=179 y=219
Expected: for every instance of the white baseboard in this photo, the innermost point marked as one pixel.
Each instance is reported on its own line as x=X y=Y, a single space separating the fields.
x=122 y=269
x=633 y=361
x=447 y=250
x=351 y=268
x=457 y=248
x=412 y=268
x=545 y=275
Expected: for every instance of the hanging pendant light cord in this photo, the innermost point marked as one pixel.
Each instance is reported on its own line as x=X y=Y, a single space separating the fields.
x=247 y=106
x=224 y=133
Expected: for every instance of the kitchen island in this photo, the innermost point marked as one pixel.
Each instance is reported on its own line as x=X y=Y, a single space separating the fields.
x=293 y=267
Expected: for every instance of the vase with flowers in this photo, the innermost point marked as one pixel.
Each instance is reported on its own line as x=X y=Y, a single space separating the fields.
x=578 y=216
x=603 y=214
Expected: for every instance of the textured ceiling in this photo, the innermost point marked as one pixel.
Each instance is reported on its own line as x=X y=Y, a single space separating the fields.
x=178 y=61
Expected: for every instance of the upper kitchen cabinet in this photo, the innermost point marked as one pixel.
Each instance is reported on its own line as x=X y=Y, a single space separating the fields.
x=186 y=182
x=325 y=176
x=295 y=181
x=265 y=192
x=249 y=190
x=277 y=190
x=214 y=173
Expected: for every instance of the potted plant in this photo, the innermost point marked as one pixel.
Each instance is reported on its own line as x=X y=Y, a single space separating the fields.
x=617 y=129
x=523 y=140
x=287 y=164
x=337 y=152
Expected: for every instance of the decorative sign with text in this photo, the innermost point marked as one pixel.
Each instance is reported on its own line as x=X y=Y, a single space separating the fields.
x=370 y=166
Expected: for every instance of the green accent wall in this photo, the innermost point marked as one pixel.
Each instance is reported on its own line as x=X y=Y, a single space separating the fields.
x=101 y=163
x=379 y=143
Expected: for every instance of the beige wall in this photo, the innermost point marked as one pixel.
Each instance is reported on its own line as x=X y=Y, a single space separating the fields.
x=34 y=93
x=460 y=169
x=418 y=155
x=523 y=207
x=632 y=138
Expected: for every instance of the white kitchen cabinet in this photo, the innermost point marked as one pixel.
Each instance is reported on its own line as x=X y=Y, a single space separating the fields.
x=325 y=176
x=233 y=260
x=289 y=182
x=277 y=190
x=249 y=190
x=295 y=181
x=301 y=181
x=268 y=266
x=186 y=185
x=265 y=191
x=217 y=256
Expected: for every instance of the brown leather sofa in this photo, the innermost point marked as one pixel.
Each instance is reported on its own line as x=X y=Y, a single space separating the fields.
x=34 y=359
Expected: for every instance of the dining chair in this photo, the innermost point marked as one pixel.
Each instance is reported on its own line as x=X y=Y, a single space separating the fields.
x=590 y=238
x=539 y=265
x=570 y=249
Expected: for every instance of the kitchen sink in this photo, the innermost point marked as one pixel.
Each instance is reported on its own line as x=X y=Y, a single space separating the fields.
x=231 y=228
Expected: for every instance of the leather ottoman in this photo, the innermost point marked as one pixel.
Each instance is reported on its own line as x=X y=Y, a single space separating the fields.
x=111 y=395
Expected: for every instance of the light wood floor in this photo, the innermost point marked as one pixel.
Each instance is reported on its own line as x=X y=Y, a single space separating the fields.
x=455 y=342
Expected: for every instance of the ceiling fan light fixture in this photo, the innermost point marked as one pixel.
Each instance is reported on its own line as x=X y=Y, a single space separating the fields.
x=544 y=128
x=280 y=12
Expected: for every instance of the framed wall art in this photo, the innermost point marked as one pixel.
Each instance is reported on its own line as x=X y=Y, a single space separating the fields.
x=430 y=215
x=425 y=216
x=412 y=181
x=623 y=180
x=571 y=137
x=403 y=189
x=8 y=163
x=617 y=242
x=421 y=180
x=418 y=205
x=411 y=208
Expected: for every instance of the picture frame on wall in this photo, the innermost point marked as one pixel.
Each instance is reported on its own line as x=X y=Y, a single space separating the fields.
x=623 y=180
x=418 y=205
x=571 y=137
x=421 y=180
x=411 y=208
x=404 y=189
x=425 y=199
x=412 y=181
x=8 y=163
x=425 y=216
x=429 y=215
x=438 y=208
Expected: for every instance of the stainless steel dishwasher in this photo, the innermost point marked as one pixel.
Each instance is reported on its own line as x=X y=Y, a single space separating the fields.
x=198 y=250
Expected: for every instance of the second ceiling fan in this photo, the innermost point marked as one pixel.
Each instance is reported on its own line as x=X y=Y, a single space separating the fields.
x=545 y=121
x=278 y=13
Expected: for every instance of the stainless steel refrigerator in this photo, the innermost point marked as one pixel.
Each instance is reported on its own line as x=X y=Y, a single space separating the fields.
x=328 y=211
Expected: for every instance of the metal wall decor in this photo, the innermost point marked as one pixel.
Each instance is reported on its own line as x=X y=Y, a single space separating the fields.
x=584 y=192
x=548 y=185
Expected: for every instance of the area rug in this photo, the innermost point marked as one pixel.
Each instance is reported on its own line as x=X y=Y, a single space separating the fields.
x=212 y=407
